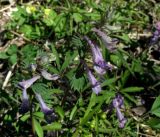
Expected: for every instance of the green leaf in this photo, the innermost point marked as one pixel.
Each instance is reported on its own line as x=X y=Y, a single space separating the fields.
x=27 y=30
x=49 y=18
x=137 y=66
x=109 y=82
x=90 y=114
x=78 y=83
x=13 y=58
x=57 y=56
x=68 y=59
x=91 y=104
x=124 y=77
x=93 y=16
x=130 y=97
x=25 y=117
x=77 y=17
x=73 y=112
x=38 y=114
x=38 y=128
x=156 y=107
x=60 y=111
x=53 y=126
x=60 y=22
x=12 y=49
x=124 y=37
x=56 y=91
x=116 y=60
x=132 y=89
x=154 y=123
x=3 y=55
x=40 y=88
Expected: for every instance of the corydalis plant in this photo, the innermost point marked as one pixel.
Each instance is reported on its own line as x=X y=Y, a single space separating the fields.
x=118 y=104
x=24 y=85
x=108 y=42
x=100 y=65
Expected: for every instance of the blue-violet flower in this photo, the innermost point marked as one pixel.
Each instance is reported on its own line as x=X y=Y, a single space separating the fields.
x=100 y=65
x=26 y=84
x=117 y=104
x=25 y=99
x=108 y=42
x=96 y=87
x=45 y=109
x=156 y=34
x=25 y=102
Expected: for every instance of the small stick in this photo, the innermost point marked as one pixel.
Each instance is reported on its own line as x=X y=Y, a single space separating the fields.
x=8 y=7
x=8 y=77
x=20 y=35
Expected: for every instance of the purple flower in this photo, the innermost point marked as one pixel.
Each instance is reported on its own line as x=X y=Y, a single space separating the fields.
x=156 y=34
x=100 y=65
x=121 y=118
x=26 y=84
x=96 y=87
x=25 y=102
x=158 y=26
x=110 y=44
x=117 y=104
x=155 y=37
x=45 y=109
x=50 y=116
x=49 y=76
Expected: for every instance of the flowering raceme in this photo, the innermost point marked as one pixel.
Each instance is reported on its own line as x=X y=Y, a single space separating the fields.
x=118 y=104
x=100 y=65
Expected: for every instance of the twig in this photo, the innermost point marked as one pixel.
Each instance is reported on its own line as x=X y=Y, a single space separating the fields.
x=8 y=7
x=23 y=37
x=8 y=76
x=139 y=35
x=137 y=130
x=145 y=135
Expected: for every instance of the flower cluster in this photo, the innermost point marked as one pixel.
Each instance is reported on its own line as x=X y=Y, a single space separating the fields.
x=24 y=85
x=156 y=34
x=118 y=104
x=99 y=64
